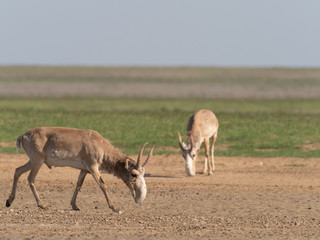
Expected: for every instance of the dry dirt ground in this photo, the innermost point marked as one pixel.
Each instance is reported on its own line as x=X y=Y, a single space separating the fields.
x=246 y=198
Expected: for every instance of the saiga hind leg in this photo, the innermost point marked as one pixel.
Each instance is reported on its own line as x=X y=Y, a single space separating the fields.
x=214 y=138
x=31 y=178
x=19 y=171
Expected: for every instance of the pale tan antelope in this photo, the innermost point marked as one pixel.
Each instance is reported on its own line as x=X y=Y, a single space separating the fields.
x=202 y=126
x=86 y=150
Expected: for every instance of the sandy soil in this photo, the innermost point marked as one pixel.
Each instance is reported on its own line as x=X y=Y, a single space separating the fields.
x=246 y=198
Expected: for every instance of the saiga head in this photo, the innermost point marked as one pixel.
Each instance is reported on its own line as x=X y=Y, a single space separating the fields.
x=189 y=154
x=136 y=182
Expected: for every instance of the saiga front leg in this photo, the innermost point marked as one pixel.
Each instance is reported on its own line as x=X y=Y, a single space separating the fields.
x=97 y=176
x=207 y=165
x=81 y=178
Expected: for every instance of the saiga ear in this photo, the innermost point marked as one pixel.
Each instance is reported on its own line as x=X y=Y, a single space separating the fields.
x=127 y=164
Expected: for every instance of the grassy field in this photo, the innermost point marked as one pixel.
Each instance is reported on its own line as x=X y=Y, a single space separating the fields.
x=262 y=128
x=262 y=111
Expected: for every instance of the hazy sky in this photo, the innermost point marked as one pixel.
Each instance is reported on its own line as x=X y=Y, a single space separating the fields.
x=162 y=32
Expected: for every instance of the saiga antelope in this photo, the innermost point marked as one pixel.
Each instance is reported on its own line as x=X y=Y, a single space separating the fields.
x=86 y=150
x=202 y=126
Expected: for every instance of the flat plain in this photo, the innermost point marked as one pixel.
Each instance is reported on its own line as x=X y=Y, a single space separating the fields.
x=266 y=184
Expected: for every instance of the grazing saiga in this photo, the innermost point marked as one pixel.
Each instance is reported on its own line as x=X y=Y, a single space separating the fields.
x=82 y=149
x=202 y=126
